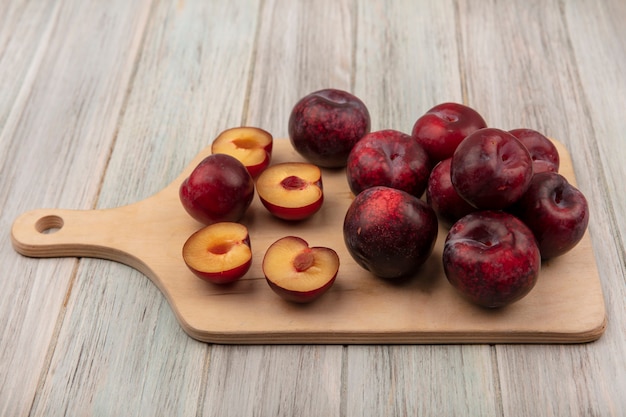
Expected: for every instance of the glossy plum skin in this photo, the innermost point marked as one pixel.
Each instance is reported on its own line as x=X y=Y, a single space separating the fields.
x=491 y=258
x=294 y=213
x=443 y=127
x=491 y=169
x=555 y=211
x=442 y=196
x=301 y=297
x=390 y=158
x=389 y=232
x=544 y=154
x=219 y=189
x=325 y=125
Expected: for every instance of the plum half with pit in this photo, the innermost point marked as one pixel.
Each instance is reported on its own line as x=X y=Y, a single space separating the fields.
x=389 y=232
x=390 y=158
x=556 y=211
x=291 y=190
x=325 y=125
x=491 y=169
x=443 y=127
x=298 y=272
x=491 y=258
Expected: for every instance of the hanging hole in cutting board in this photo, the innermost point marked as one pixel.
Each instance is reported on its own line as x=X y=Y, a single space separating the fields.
x=49 y=224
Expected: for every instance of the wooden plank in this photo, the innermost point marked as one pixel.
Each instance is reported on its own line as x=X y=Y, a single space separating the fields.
x=279 y=381
x=60 y=128
x=119 y=338
x=547 y=77
x=301 y=47
x=424 y=381
x=599 y=51
x=24 y=27
x=406 y=59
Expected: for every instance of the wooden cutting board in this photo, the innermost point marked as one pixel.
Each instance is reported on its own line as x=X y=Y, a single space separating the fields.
x=566 y=305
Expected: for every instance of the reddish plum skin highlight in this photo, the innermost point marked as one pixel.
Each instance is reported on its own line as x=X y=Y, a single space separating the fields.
x=325 y=125
x=491 y=258
x=442 y=196
x=294 y=214
x=491 y=169
x=544 y=154
x=389 y=158
x=219 y=189
x=389 y=232
x=442 y=128
x=303 y=297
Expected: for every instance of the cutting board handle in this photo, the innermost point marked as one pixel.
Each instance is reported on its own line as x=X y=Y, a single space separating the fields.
x=52 y=233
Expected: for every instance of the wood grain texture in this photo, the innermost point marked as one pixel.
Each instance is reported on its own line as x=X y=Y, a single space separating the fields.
x=407 y=60
x=295 y=56
x=280 y=381
x=424 y=381
x=61 y=127
x=100 y=109
x=175 y=106
x=24 y=27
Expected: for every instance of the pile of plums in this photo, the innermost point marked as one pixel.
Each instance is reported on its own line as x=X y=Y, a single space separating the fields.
x=499 y=193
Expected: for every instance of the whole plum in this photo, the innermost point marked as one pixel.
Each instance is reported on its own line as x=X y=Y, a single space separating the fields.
x=390 y=158
x=443 y=127
x=389 y=232
x=555 y=211
x=491 y=169
x=219 y=189
x=326 y=124
x=491 y=258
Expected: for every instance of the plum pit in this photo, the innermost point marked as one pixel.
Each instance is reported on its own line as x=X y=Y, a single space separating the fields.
x=304 y=260
x=293 y=182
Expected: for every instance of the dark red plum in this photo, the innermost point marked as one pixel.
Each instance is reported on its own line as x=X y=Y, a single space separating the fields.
x=443 y=127
x=219 y=189
x=491 y=169
x=443 y=198
x=542 y=151
x=390 y=158
x=491 y=258
x=325 y=125
x=555 y=211
x=389 y=232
